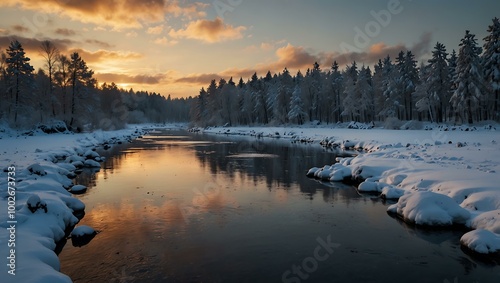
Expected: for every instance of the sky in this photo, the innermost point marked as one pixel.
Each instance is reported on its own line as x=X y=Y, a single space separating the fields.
x=175 y=47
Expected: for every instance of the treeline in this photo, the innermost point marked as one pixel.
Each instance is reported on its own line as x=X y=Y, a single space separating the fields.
x=66 y=90
x=460 y=88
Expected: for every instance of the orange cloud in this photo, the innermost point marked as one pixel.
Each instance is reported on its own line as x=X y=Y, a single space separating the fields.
x=65 y=32
x=130 y=79
x=155 y=30
x=105 y=55
x=209 y=31
x=117 y=14
x=165 y=42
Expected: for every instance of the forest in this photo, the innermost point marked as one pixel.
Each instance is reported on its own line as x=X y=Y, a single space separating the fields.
x=450 y=87
x=65 y=91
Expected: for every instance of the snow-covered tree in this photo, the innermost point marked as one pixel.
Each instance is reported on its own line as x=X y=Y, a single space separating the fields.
x=433 y=91
x=407 y=82
x=20 y=75
x=471 y=87
x=378 y=92
x=351 y=95
x=297 y=112
x=391 y=88
x=364 y=89
x=491 y=63
x=337 y=82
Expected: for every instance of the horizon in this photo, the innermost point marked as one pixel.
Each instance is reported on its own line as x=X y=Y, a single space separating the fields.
x=177 y=47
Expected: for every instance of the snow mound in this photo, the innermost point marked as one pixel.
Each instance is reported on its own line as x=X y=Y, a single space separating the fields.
x=428 y=208
x=488 y=220
x=89 y=163
x=82 y=235
x=481 y=241
x=391 y=192
x=78 y=189
x=36 y=169
x=83 y=230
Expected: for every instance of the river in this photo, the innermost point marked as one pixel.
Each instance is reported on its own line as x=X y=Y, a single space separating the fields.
x=182 y=207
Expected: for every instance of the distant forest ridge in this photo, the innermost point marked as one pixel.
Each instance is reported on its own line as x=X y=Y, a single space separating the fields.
x=66 y=90
x=450 y=87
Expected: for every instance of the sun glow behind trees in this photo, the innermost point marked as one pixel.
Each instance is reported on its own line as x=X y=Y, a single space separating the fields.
x=67 y=91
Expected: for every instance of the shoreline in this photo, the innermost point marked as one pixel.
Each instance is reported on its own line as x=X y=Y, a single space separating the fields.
x=40 y=210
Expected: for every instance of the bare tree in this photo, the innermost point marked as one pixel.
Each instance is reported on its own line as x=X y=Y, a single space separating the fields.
x=50 y=53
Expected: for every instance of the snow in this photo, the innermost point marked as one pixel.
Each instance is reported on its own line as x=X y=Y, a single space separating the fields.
x=481 y=241
x=78 y=189
x=440 y=174
x=44 y=208
x=82 y=230
x=428 y=208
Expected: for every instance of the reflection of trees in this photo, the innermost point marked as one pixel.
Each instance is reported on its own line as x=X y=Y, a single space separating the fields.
x=285 y=170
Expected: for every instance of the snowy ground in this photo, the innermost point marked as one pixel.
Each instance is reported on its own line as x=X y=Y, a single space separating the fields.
x=36 y=206
x=441 y=175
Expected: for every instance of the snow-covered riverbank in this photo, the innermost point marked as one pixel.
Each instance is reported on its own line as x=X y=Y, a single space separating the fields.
x=36 y=206
x=441 y=175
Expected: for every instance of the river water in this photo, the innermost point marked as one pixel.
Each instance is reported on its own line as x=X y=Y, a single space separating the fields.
x=181 y=207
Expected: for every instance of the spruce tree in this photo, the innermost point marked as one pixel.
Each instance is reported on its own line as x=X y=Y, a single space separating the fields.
x=20 y=74
x=491 y=63
x=471 y=87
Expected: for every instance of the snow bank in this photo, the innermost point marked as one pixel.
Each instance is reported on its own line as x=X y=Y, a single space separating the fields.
x=42 y=205
x=428 y=208
x=481 y=241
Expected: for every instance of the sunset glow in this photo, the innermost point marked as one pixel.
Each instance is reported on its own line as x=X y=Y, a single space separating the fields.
x=177 y=47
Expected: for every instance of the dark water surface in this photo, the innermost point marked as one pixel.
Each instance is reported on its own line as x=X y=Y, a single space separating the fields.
x=181 y=207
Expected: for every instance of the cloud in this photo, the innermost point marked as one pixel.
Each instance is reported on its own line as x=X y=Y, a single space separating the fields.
x=198 y=78
x=130 y=79
x=298 y=58
x=155 y=30
x=20 y=29
x=105 y=55
x=32 y=44
x=116 y=14
x=65 y=32
x=165 y=42
x=99 y=43
x=131 y=34
x=209 y=31
x=381 y=50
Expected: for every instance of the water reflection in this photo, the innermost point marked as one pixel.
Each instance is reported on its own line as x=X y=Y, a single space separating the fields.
x=195 y=208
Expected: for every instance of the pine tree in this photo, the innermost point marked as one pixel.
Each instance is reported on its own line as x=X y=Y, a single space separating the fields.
x=351 y=95
x=81 y=77
x=20 y=74
x=337 y=80
x=297 y=112
x=471 y=87
x=378 y=92
x=435 y=84
x=453 y=78
x=391 y=88
x=491 y=63
x=365 y=93
x=407 y=81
